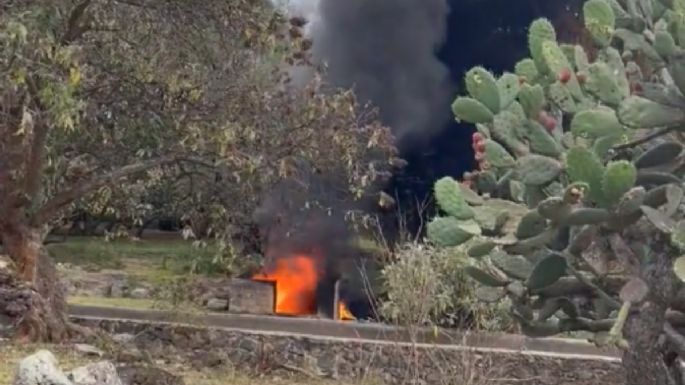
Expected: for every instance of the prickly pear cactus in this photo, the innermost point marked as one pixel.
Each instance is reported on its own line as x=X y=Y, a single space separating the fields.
x=579 y=179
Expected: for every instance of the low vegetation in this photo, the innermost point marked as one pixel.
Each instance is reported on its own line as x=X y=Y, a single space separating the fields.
x=68 y=358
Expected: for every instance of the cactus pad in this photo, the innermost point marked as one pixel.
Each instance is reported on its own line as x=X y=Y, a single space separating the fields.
x=481 y=249
x=664 y=44
x=526 y=69
x=604 y=144
x=450 y=199
x=484 y=277
x=638 y=112
x=508 y=85
x=471 y=110
x=634 y=291
x=557 y=62
x=554 y=208
x=540 y=141
x=448 y=231
x=659 y=219
x=631 y=201
x=659 y=155
x=596 y=123
x=603 y=83
x=532 y=99
x=679 y=268
x=514 y=266
x=677 y=66
x=505 y=130
x=531 y=225
x=482 y=86
x=538 y=170
x=581 y=59
x=546 y=272
x=497 y=155
x=540 y=31
x=582 y=165
x=618 y=178
x=561 y=96
x=599 y=20
x=587 y=216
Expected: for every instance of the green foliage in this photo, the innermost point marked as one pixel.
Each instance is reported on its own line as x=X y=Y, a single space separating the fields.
x=595 y=167
x=450 y=199
x=428 y=286
x=471 y=110
x=133 y=112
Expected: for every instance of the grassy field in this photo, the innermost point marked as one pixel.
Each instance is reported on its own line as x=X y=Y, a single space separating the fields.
x=137 y=256
x=11 y=355
x=157 y=262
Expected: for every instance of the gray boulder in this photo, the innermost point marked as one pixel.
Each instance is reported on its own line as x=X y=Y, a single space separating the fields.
x=99 y=373
x=40 y=368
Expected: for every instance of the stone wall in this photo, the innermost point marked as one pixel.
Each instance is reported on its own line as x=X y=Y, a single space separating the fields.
x=356 y=359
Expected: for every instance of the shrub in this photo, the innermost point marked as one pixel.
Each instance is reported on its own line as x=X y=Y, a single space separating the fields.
x=575 y=214
x=426 y=286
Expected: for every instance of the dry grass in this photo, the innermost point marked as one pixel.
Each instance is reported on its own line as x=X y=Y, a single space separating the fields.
x=11 y=355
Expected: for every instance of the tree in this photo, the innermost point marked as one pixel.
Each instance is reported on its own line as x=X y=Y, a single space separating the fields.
x=575 y=213
x=98 y=95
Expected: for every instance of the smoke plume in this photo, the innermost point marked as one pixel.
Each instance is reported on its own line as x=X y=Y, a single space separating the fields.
x=386 y=51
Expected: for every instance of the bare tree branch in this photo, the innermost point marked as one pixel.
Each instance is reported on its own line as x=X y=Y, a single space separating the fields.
x=653 y=135
x=64 y=198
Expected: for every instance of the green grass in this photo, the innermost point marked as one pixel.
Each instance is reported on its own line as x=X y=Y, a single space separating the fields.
x=154 y=261
x=110 y=254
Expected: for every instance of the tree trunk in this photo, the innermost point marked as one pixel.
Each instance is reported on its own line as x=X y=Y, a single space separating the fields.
x=46 y=316
x=648 y=361
x=644 y=362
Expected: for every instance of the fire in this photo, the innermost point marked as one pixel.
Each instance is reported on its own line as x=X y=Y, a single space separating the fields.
x=296 y=280
x=344 y=313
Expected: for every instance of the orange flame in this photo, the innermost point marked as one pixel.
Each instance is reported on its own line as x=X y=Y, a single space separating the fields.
x=344 y=313
x=296 y=279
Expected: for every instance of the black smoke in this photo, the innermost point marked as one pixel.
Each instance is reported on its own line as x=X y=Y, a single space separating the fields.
x=386 y=50
x=408 y=58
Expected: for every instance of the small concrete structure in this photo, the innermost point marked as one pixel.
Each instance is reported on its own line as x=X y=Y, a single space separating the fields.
x=247 y=296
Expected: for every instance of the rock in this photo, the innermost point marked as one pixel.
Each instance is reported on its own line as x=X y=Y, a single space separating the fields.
x=202 y=359
x=147 y=375
x=123 y=338
x=6 y=263
x=132 y=355
x=140 y=293
x=216 y=304
x=100 y=373
x=117 y=289
x=40 y=369
x=88 y=350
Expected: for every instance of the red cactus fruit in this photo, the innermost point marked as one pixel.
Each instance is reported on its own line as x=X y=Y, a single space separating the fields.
x=564 y=75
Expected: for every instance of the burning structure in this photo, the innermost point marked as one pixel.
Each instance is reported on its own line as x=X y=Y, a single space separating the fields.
x=301 y=288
